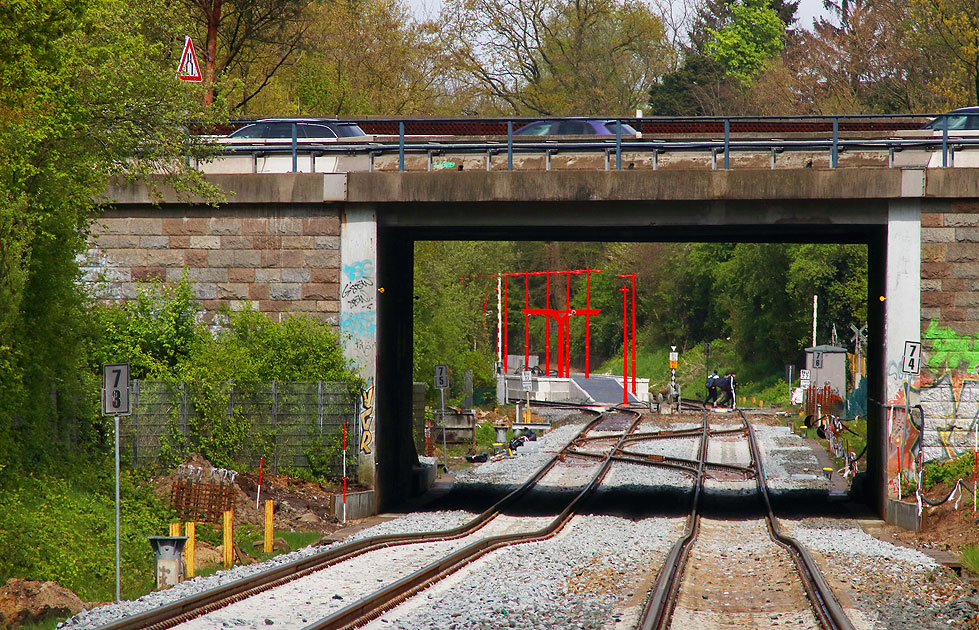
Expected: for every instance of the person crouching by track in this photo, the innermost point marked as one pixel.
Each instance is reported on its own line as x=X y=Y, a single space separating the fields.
x=711 y=385
x=726 y=387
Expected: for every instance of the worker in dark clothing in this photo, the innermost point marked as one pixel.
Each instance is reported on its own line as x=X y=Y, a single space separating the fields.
x=711 y=388
x=726 y=386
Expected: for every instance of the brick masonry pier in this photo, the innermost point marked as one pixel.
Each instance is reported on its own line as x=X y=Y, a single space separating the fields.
x=278 y=260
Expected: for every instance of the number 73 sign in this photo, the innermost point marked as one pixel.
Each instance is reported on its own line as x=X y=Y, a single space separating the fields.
x=115 y=390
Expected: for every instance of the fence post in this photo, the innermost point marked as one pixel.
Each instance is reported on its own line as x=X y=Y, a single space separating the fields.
x=183 y=408
x=727 y=143
x=275 y=422
x=231 y=398
x=401 y=146
x=835 y=153
x=319 y=405
x=135 y=423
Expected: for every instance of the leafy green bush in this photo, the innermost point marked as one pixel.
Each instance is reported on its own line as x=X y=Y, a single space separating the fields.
x=948 y=471
x=63 y=529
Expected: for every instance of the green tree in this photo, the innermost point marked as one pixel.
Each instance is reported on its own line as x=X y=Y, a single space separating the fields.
x=87 y=93
x=949 y=31
x=450 y=324
x=559 y=57
x=753 y=36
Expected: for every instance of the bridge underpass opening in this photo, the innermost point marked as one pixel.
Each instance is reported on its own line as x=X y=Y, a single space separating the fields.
x=399 y=258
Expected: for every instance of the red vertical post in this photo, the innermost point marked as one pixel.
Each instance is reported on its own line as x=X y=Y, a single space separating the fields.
x=505 y=325
x=633 y=334
x=526 y=323
x=587 y=318
x=625 y=345
x=547 y=329
x=567 y=326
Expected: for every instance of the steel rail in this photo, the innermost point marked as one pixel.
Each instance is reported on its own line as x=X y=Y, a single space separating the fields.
x=687 y=465
x=659 y=606
x=826 y=608
x=183 y=610
x=371 y=607
x=825 y=605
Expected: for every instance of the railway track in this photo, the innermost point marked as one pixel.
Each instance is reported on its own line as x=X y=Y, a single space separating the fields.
x=677 y=578
x=620 y=421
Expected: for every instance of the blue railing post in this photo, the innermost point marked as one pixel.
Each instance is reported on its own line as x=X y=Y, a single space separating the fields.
x=727 y=143
x=835 y=154
x=401 y=145
x=509 y=145
x=295 y=142
x=618 y=145
x=944 y=141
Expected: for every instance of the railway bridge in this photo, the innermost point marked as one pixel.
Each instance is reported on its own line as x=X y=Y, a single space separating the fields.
x=339 y=246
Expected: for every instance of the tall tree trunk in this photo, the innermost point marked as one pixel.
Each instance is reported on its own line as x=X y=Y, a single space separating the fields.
x=213 y=14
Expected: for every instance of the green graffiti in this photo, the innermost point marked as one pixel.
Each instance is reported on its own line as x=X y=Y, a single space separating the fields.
x=950 y=349
x=441 y=165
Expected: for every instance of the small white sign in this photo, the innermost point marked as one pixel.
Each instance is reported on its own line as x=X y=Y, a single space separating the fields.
x=804 y=383
x=804 y=375
x=674 y=356
x=441 y=377
x=115 y=390
x=817 y=360
x=527 y=380
x=912 y=357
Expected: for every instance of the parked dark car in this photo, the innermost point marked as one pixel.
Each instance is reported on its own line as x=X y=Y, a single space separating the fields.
x=574 y=127
x=306 y=129
x=964 y=118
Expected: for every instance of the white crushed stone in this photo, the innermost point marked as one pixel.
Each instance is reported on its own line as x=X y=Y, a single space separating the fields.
x=857 y=544
x=570 y=581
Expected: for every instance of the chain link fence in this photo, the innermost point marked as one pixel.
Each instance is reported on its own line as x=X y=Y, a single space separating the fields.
x=290 y=424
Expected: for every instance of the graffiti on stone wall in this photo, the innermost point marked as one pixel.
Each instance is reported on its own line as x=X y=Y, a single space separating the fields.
x=367 y=418
x=940 y=409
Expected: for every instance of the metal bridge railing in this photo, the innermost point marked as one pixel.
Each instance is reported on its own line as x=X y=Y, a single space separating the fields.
x=947 y=144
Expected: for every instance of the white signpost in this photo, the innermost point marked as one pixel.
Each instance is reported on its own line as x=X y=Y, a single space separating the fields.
x=804 y=378
x=527 y=381
x=116 y=402
x=442 y=384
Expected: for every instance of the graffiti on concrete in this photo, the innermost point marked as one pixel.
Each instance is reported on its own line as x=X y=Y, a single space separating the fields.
x=359 y=324
x=367 y=418
x=358 y=319
x=360 y=269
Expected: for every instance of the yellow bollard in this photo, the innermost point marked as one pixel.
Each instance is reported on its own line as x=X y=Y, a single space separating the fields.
x=174 y=529
x=229 y=538
x=753 y=401
x=268 y=526
x=189 y=557
x=761 y=403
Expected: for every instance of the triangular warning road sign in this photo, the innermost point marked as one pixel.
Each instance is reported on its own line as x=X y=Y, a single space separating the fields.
x=189 y=69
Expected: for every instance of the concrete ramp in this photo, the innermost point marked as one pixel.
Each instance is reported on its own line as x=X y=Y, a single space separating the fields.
x=602 y=389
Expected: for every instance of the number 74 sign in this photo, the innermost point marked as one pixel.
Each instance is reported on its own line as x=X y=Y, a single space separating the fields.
x=115 y=390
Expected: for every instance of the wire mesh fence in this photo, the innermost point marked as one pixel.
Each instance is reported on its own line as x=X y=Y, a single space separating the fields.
x=290 y=424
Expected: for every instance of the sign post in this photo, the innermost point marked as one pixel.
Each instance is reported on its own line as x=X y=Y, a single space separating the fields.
x=116 y=402
x=674 y=360
x=442 y=383
x=527 y=380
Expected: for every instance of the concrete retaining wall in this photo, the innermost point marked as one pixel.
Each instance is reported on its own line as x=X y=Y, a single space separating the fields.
x=359 y=505
x=904 y=515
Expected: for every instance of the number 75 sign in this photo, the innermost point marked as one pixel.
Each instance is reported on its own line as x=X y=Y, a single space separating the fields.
x=115 y=390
